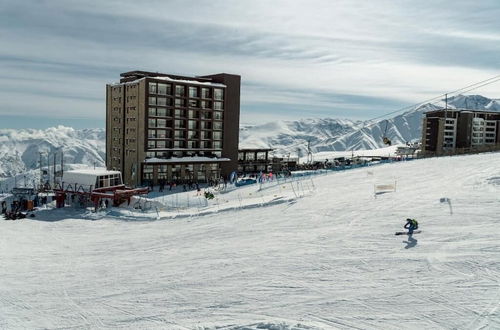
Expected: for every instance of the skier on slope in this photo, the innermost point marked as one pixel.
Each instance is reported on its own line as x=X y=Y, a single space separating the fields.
x=411 y=225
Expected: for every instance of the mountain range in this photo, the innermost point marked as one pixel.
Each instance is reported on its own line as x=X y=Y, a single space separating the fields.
x=20 y=150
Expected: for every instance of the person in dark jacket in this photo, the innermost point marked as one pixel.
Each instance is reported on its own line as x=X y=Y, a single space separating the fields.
x=411 y=225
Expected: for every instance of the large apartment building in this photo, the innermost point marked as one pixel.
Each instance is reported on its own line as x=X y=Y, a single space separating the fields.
x=449 y=131
x=168 y=127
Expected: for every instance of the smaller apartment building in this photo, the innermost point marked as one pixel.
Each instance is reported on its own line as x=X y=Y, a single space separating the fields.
x=451 y=131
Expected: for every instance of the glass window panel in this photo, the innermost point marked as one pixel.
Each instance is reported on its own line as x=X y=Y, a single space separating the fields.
x=193 y=92
x=151 y=133
x=161 y=134
x=205 y=104
x=192 y=124
x=151 y=144
x=218 y=94
x=192 y=135
x=180 y=102
x=180 y=113
x=218 y=106
x=218 y=115
x=160 y=144
x=152 y=100
x=164 y=89
x=162 y=112
x=217 y=125
x=152 y=122
x=217 y=135
x=161 y=123
x=205 y=93
x=179 y=91
x=152 y=88
x=161 y=101
x=194 y=103
x=152 y=111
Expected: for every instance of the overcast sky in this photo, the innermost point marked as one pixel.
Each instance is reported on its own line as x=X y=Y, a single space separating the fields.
x=351 y=59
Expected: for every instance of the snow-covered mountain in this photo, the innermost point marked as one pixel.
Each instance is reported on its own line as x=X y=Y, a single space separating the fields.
x=339 y=135
x=20 y=149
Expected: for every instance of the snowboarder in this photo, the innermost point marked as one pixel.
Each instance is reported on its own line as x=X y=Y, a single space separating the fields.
x=411 y=225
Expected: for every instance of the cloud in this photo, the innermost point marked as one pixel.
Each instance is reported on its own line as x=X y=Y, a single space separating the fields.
x=342 y=58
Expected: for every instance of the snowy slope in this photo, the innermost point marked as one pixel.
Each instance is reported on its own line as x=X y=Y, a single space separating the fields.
x=329 y=260
x=19 y=149
x=339 y=135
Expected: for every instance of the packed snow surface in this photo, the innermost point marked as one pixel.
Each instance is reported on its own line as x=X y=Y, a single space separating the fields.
x=326 y=259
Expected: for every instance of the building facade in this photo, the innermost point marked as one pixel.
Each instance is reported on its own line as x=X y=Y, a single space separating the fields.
x=252 y=161
x=451 y=131
x=173 y=128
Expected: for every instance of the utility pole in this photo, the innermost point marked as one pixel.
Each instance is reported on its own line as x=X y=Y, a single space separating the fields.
x=55 y=172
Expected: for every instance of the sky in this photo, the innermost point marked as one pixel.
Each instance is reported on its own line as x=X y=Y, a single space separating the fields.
x=351 y=59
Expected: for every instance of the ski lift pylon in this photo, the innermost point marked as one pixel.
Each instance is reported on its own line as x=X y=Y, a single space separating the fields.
x=385 y=138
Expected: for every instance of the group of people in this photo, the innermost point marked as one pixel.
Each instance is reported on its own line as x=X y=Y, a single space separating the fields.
x=185 y=184
x=15 y=211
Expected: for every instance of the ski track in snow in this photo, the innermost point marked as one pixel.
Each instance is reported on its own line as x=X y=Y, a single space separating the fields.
x=324 y=259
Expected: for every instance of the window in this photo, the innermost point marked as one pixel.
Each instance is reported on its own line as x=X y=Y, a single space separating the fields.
x=205 y=104
x=161 y=134
x=206 y=144
x=161 y=123
x=217 y=144
x=241 y=156
x=250 y=156
x=218 y=94
x=192 y=124
x=179 y=144
x=194 y=103
x=180 y=113
x=179 y=90
x=192 y=145
x=206 y=125
x=192 y=135
x=161 y=112
x=180 y=102
x=147 y=172
x=152 y=88
x=205 y=135
x=162 y=171
x=205 y=93
x=179 y=124
x=218 y=115
x=160 y=144
x=152 y=100
x=193 y=114
x=165 y=89
x=217 y=135
x=206 y=115
x=261 y=155
x=218 y=106
x=152 y=122
x=217 y=125
x=151 y=144
x=151 y=134
x=161 y=101
x=152 y=111
x=193 y=92
x=179 y=134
